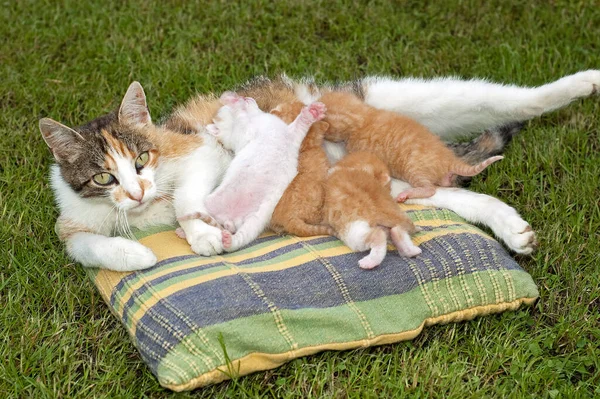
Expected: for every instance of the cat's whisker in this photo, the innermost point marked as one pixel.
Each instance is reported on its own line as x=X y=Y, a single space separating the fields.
x=110 y=212
x=127 y=227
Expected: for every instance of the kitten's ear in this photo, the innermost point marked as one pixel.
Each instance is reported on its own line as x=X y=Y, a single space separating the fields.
x=134 y=109
x=277 y=111
x=212 y=129
x=64 y=142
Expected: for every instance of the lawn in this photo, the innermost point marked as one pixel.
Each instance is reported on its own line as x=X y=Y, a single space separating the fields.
x=73 y=60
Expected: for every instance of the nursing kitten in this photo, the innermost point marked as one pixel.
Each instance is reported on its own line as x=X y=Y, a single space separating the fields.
x=300 y=209
x=358 y=206
x=411 y=151
x=121 y=171
x=265 y=162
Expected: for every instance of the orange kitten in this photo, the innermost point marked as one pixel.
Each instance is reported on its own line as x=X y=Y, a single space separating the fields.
x=358 y=206
x=299 y=210
x=411 y=151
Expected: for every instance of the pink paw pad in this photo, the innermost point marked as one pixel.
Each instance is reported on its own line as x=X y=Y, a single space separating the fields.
x=226 y=238
x=317 y=110
x=402 y=197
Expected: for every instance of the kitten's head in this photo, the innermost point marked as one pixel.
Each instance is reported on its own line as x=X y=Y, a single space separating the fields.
x=366 y=162
x=111 y=157
x=230 y=124
x=288 y=112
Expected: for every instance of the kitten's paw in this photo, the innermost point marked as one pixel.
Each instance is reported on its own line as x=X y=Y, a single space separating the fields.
x=226 y=239
x=127 y=255
x=584 y=84
x=367 y=263
x=402 y=197
x=180 y=233
x=230 y=98
x=518 y=235
x=314 y=112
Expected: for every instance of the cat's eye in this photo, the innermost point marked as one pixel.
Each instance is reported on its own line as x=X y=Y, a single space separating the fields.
x=104 y=179
x=142 y=160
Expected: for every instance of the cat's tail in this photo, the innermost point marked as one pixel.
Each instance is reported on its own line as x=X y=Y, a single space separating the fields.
x=300 y=228
x=460 y=168
x=491 y=142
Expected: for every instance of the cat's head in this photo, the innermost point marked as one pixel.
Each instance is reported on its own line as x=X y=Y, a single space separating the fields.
x=288 y=112
x=110 y=158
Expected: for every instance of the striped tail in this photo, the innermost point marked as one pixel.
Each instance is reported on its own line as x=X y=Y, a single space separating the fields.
x=462 y=169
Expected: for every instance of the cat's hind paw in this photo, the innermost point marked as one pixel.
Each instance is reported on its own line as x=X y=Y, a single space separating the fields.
x=368 y=263
x=520 y=238
x=584 y=84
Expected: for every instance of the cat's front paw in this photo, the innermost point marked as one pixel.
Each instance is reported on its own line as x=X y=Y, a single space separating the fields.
x=205 y=240
x=127 y=255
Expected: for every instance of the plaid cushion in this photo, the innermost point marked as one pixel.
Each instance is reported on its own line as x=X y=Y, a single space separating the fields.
x=197 y=320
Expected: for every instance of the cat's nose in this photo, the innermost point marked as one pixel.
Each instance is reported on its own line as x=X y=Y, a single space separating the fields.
x=136 y=195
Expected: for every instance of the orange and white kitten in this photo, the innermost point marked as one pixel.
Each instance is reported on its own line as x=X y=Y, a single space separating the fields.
x=299 y=211
x=358 y=206
x=410 y=150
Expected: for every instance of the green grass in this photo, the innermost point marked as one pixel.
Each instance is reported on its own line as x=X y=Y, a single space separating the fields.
x=72 y=60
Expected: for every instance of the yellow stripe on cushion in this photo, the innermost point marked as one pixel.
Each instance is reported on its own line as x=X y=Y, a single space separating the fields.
x=297 y=261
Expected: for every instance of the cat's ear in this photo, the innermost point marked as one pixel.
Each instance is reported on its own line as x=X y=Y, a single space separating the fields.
x=134 y=109
x=212 y=129
x=64 y=142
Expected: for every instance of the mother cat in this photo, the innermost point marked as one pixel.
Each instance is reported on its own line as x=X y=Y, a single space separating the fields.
x=121 y=171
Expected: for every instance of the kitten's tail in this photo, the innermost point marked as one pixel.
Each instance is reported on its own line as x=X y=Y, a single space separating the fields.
x=460 y=168
x=302 y=229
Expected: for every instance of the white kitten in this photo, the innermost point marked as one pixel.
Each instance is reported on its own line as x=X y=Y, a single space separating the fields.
x=266 y=161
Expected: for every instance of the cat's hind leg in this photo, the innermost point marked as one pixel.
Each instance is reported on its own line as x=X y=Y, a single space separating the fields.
x=504 y=220
x=377 y=242
x=416 y=192
x=451 y=106
x=403 y=243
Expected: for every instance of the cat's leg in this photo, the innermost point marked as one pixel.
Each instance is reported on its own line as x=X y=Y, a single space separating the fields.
x=403 y=243
x=451 y=106
x=483 y=209
x=254 y=224
x=416 y=192
x=201 y=172
x=113 y=253
x=360 y=236
x=308 y=115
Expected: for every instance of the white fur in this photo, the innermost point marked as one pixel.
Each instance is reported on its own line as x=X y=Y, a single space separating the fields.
x=265 y=162
x=105 y=218
x=198 y=174
x=451 y=107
